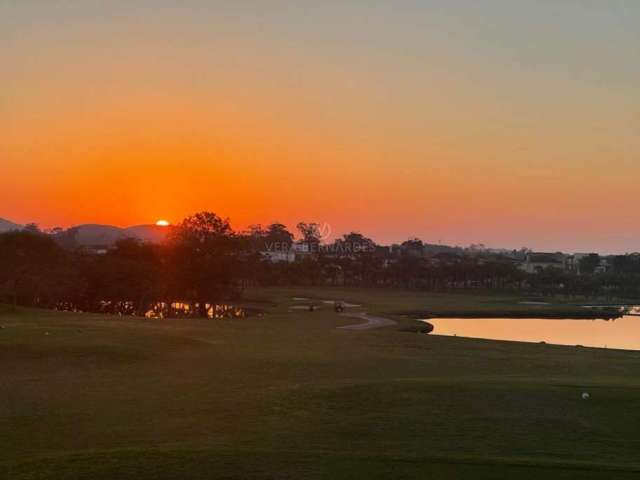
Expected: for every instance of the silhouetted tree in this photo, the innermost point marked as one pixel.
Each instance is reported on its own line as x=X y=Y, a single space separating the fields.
x=589 y=263
x=129 y=277
x=202 y=260
x=35 y=270
x=310 y=233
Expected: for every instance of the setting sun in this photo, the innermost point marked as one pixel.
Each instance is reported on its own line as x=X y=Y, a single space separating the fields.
x=162 y=223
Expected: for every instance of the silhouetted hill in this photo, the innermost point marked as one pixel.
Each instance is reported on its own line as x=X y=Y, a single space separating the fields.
x=7 y=226
x=107 y=235
x=94 y=234
x=147 y=233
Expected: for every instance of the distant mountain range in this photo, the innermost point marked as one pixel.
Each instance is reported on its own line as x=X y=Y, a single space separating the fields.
x=7 y=226
x=94 y=234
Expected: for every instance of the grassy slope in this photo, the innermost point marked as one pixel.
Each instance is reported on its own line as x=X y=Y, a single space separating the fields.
x=287 y=395
x=401 y=303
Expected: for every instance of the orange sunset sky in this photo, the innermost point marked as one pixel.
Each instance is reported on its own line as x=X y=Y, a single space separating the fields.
x=511 y=123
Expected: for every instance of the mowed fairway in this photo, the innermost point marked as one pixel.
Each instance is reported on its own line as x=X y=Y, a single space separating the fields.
x=289 y=395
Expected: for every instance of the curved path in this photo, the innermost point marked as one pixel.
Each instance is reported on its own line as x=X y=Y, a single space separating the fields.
x=371 y=322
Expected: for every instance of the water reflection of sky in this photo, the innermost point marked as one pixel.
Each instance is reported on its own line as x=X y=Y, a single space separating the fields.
x=622 y=333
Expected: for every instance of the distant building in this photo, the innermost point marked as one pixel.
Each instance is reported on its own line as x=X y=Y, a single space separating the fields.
x=96 y=249
x=277 y=256
x=536 y=262
x=603 y=264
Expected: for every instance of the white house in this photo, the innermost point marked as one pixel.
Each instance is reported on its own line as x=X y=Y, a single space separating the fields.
x=537 y=262
x=276 y=256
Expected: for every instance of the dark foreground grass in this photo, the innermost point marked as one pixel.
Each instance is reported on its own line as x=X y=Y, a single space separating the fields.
x=207 y=464
x=287 y=395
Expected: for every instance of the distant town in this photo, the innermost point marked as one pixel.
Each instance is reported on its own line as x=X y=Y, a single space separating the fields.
x=355 y=259
x=99 y=239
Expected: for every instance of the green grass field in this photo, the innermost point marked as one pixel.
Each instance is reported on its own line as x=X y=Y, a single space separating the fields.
x=287 y=395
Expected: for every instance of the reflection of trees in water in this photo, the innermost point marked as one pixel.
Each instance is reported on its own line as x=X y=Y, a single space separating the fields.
x=160 y=309
x=181 y=309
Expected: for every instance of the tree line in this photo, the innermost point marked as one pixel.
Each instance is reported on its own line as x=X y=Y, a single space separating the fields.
x=203 y=262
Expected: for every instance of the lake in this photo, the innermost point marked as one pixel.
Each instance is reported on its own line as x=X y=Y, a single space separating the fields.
x=621 y=333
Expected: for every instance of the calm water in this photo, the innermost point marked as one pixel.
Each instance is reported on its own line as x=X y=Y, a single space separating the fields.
x=623 y=333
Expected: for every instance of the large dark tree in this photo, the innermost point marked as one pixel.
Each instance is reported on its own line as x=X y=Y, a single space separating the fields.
x=274 y=237
x=202 y=260
x=35 y=270
x=589 y=263
x=311 y=237
x=129 y=277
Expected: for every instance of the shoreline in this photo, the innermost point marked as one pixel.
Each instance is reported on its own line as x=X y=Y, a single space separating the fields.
x=531 y=314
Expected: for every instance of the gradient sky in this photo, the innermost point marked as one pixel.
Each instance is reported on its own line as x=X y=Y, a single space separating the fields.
x=507 y=122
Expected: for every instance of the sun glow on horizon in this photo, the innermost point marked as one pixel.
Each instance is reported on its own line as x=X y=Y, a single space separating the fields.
x=316 y=111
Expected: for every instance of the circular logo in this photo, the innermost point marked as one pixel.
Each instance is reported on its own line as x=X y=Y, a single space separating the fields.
x=324 y=230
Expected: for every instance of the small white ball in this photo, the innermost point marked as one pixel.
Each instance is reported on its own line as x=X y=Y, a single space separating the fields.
x=585 y=396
